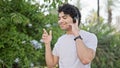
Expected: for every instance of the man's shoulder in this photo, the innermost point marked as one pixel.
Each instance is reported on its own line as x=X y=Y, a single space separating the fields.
x=87 y=33
x=84 y=32
x=61 y=37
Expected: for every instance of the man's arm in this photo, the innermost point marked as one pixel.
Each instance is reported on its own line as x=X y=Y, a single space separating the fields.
x=51 y=60
x=85 y=54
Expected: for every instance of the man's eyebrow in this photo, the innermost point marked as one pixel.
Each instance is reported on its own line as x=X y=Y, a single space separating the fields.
x=62 y=16
x=65 y=15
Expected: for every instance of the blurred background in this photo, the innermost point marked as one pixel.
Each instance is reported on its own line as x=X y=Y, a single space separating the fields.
x=22 y=21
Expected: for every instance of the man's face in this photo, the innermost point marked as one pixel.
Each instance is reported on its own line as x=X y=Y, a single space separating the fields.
x=64 y=21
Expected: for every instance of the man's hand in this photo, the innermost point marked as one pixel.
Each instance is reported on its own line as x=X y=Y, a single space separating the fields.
x=75 y=28
x=47 y=37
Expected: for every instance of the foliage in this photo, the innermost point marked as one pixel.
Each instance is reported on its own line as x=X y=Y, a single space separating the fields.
x=55 y=3
x=21 y=24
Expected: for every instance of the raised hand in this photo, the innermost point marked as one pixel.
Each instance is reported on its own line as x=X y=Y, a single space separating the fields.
x=47 y=37
x=75 y=28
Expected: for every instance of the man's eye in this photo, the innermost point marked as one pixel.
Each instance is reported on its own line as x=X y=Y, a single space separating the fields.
x=58 y=18
x=64 y=18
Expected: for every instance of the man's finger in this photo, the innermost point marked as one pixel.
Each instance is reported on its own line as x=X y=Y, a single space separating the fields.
x=50 y=32
x=44 y=31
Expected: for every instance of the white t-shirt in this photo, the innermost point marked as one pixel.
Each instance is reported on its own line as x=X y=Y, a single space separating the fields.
x=65 y=49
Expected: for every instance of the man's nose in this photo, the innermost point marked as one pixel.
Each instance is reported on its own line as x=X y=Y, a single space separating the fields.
x=60 y=21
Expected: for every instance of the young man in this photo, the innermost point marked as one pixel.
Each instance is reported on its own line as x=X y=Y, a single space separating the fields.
x=76 y=48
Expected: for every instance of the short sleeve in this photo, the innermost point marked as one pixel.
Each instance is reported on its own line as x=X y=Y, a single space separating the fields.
x=92 y=42
x=56 y=49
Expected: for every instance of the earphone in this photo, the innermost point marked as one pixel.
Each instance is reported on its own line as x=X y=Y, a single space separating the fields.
x=76 y=17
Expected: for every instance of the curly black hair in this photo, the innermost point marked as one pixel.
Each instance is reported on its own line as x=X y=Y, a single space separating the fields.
x=71 y=10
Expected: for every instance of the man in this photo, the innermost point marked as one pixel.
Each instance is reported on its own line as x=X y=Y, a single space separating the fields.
x=76 y=48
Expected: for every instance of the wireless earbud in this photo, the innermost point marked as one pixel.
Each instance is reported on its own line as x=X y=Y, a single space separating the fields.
x=74 y=20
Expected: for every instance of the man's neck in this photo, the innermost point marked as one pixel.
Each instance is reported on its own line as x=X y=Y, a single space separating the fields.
x=69 y=32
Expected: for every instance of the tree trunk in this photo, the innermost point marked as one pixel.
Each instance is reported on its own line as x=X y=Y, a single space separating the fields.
x=109 y=15
x=3 y=66
x=98 y=11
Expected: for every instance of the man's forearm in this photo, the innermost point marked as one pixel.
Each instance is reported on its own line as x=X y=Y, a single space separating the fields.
x=48 y=55
x=85 y=54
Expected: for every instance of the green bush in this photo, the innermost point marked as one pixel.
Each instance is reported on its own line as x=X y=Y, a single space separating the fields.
x=21 y=24
x=21 y=27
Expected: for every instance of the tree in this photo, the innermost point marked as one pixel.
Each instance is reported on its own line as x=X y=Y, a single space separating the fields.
x=98 y=10
x=21 y=24
x=111 y=4
x=20 y=21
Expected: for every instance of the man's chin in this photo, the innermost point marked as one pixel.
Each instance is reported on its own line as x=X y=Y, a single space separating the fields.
x=63 y=28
